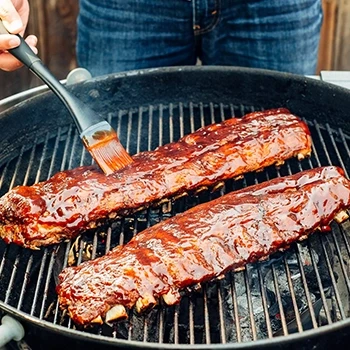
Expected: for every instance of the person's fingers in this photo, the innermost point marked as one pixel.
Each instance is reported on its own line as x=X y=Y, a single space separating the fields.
x=10 y=63
x=22 y=7
x=32 y=40
x=10 y=17
x=8 y=41
x=14 y=15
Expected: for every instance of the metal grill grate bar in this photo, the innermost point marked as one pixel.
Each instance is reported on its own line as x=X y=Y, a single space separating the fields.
x=206 y=316
x=321 y=288
x=43 y=156
x=12 y=278
x=293 y=297
x=324 y=146
x=222 y=191
x=335 y=147
x=306 y=288
x=344 y=144
x=25 y=282
x=345 y=240
x=47 y=283
x=161 y=326
x=15 y=173
x=334 y=284
x=264 y=303
x=235 y=309
x=64 y=264
x=279 y=300
x=181 y=120
x=250 y=307
x=221 y=316
x=41 y=275
x=340 y=258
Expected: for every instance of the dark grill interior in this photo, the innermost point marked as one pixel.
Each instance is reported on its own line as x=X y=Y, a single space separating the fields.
x=306 y=287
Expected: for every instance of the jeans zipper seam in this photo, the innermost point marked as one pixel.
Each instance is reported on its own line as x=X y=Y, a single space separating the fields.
x=214 y=23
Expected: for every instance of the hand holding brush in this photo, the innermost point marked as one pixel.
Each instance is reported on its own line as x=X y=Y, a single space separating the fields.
x=96 y=133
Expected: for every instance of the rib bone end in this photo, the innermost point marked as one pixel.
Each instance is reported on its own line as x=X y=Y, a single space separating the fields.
x=200 y=189
x=171 y=298
x=218 y=186
x=97 y=320
x=341 y=216
x=279 y=163
x=145 y=303
x=302 y=156
x=117 y=312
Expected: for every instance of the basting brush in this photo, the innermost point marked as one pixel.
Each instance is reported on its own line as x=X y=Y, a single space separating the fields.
x=97 y=134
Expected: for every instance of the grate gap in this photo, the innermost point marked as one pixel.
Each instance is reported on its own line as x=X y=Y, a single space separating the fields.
x=331 y=274
x=39 y=282
x=235 y=308
x=336 y=149
x=306 y=288
x=279 y=301
x=25 y=282
x=340 y=256
x=250 y=306
x=265 y=303
x=292 y=294
x=47 y=282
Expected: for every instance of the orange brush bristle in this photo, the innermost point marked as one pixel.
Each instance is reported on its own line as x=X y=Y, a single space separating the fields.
x=103 y=144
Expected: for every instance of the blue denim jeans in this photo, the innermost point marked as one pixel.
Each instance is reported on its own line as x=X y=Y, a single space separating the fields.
x=121 y=35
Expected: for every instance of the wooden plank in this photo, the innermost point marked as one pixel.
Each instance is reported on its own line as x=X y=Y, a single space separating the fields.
x=54 y=23
x=60 y=27
x=326 y=48
x=342 y=37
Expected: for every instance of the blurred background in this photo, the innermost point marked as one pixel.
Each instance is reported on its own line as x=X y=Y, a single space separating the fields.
x=54 y=23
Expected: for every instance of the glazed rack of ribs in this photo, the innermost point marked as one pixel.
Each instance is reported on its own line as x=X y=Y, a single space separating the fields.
x=76 y=200
x=204 y=243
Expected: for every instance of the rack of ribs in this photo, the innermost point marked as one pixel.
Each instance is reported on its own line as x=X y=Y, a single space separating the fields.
x=77 y=200
x=202 y=244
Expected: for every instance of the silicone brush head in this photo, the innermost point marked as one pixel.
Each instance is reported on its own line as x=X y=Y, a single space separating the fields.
x=103 y=144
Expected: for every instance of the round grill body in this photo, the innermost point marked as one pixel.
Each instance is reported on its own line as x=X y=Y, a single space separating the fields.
x=297 y=298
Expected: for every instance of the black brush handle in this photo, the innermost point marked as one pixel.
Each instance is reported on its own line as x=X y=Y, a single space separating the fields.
x=22 y=52
x=83 y=116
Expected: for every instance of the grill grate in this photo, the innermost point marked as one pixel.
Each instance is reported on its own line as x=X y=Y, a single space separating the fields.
x=306 y=287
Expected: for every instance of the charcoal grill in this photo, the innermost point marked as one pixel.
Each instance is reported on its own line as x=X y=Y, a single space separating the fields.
x=296 y=298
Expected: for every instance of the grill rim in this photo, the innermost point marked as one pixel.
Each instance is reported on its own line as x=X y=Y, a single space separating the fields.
x=260 y=343
x=132 y=343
